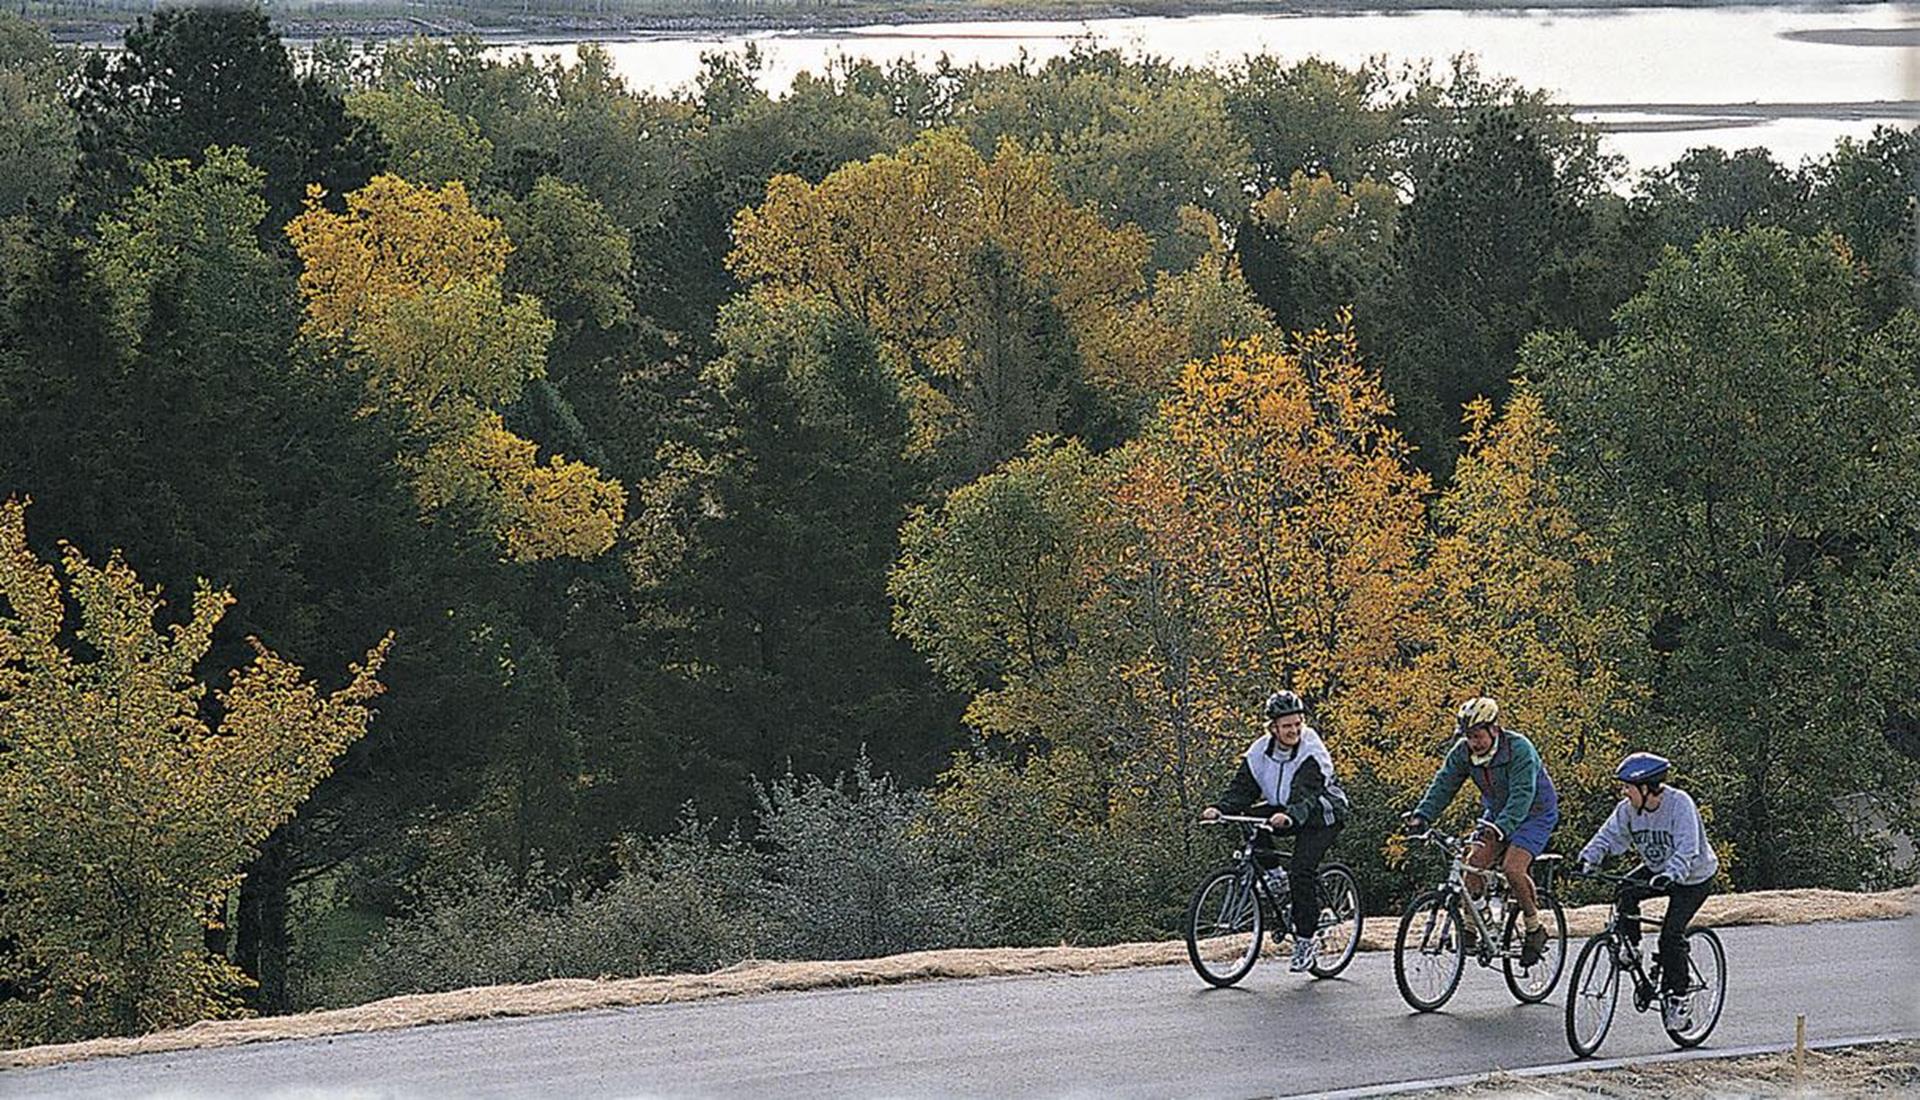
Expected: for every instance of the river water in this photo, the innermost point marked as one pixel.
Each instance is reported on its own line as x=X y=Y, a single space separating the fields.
x=1792 y=79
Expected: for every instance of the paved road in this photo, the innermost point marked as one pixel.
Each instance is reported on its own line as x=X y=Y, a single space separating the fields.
x=1155 y=1032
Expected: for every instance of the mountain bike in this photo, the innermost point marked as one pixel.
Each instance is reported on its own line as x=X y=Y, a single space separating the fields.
x=1593 y=992
x=1431 y=948
x=1231 y=908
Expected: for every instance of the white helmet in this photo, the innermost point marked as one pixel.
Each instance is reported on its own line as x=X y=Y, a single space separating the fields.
x=1477 y=711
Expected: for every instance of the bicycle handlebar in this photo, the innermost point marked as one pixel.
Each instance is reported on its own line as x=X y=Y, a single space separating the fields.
x=1439 y=838
x=1238 y=819
x=1604 y=876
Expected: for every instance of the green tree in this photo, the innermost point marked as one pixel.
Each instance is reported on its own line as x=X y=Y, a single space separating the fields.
x=125 y=811
x=1137 y=138
x=1312 y=117
x=1482 y=251
x=37 y=130
x=1317 y=246
x=1864 y=191
x=426 y=143
x=1746 y=445
x=759 y=560
x=199 y=77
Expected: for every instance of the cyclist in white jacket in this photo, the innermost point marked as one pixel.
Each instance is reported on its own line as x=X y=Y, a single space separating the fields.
x=1661 y=825
x=1287 y=775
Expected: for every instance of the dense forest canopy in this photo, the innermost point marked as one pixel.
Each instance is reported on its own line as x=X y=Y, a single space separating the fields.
x=866 y=518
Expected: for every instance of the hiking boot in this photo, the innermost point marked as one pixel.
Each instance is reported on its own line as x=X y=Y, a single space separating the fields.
x=1304 y=950
x=1676 y=1011
x=1533 y=946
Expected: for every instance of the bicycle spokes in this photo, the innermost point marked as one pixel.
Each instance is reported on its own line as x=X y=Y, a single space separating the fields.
x=1592 y=997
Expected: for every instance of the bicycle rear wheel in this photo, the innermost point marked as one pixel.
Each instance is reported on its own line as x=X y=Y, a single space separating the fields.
x=1532 y=984
x=1224 y=921
x=1706 y=988
x=1593 y=994
x=1341 y=921
x=1428 y=955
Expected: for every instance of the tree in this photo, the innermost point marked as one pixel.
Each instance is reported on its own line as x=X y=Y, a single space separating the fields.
x=1746 y=448
x=1864 y=191
x=182 y=251
x=37 y=130
x=1312 y=117
x=1519 y=600
x=1136 y=138
x=568 y=253
x=1292 y=515
x=759 y=564
x=895 y=243
x=205 y=76
x=426 y=143
x=1094 y=696
x=408 y=282
x=1317 y=246
x=125 y=809
x=1209 y=304
x=1480 y=259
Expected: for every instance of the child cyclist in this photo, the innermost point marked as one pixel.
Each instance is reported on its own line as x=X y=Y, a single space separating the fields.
x=1661 y=824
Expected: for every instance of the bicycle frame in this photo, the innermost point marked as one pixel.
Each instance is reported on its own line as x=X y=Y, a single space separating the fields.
x=1251 y=828
x=1628 y=956
x=1493 y=886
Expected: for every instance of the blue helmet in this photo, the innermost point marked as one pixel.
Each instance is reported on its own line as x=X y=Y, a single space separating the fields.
x=1643 y=767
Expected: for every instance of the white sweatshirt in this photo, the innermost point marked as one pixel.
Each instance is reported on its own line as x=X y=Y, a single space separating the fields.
x=1670 y=839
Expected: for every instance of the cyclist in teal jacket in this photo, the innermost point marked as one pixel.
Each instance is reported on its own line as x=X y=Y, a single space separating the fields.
x=1517 y=802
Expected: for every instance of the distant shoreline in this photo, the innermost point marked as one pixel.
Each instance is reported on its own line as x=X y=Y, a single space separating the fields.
x=545 y=30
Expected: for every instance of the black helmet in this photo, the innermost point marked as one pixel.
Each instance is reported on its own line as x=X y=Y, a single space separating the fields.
x=1282 y=703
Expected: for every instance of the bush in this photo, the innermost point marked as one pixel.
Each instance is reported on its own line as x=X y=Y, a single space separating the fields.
x=683 y=903
x=854 y=872
x=1055 y=863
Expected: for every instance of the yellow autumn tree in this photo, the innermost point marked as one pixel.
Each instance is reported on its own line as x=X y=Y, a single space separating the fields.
x=407 y=283
x=932 y=245
x=1516 y=614
x=125 y=813
x=1276 y=488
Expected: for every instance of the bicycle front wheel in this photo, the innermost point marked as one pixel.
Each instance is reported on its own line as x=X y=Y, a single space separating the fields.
x=1706 y=988
x=1593 y=992
x=1341 y=921
x=1224 y=921
x=1531 y=984
x=1428 y=955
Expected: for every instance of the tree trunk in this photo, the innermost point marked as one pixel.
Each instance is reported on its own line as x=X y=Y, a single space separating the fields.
x=261 y=943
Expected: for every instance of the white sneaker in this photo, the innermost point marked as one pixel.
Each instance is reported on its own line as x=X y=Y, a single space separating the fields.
x=1677 y=1012
x=1304 y=951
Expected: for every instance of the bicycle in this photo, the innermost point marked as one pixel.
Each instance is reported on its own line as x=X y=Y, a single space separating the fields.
x=1430 y=950
x=1228 y=914
x=1593 y=992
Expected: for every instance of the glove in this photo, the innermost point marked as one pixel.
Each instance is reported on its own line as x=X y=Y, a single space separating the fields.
x=1490 y=827
x=1660 y=881
x=1412 y=823
x=1588 y=866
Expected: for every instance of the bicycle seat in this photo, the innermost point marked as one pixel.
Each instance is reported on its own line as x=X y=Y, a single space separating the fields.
x=1545 y=867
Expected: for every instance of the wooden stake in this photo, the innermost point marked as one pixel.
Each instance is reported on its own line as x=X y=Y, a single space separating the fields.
x=1800 y=1044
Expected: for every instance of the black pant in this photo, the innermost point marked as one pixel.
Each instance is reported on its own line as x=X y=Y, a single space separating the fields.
x=1682 y=903
x=1310 y=846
